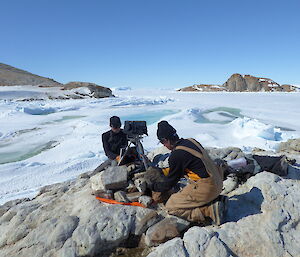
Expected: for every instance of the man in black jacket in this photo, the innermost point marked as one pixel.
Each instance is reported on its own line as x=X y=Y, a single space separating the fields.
x=114 y=139
x=200 y=198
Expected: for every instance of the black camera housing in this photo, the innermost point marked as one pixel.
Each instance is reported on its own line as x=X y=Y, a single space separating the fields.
x=135 y=128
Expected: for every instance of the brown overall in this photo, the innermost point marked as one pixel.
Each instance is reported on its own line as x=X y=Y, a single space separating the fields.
x=191 y=202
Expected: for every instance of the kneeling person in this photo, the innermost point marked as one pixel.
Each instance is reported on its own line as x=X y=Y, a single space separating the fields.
x=200 y=198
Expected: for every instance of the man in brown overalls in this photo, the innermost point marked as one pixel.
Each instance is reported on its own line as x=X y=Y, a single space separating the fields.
x=201 y=197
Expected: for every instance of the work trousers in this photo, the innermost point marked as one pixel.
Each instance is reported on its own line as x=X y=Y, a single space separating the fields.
x=193 y=202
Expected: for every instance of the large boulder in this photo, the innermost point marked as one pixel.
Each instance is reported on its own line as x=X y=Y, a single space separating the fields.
x=66 y=220
x=94 y=89
x=263 y=220
x=238 y=82
x=291 y=146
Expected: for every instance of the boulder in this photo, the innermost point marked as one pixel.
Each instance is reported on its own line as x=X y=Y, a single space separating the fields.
x=94 y=89
x=66 y=220
x=263 y=220
x=291 y=146
x=225 y=154
x=110 y=178
x=165 y=230
x=174 y=248
x=238 y=82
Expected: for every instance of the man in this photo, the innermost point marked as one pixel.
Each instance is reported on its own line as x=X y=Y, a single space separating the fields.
x=200 y=198
x=114 y=139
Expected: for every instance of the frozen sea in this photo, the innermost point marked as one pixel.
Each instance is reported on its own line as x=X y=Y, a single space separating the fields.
x=45 y=142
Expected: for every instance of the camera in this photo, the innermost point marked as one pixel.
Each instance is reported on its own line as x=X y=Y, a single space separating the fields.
x=135 y=128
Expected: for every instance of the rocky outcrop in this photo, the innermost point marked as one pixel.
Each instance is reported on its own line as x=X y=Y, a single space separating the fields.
x=243 y=83
x=95 y=90
x=263 y=220
x=292 y=146
x=10 y=76
x=238 y=82
x=203 y=88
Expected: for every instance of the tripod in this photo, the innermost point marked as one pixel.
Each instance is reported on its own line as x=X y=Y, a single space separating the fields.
x=136 y=140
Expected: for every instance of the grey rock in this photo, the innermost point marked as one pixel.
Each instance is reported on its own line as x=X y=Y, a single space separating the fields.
x=230 y=184
x=140 y=184
x=165 y=230
x=121 y=197
x=201 y=242
x=66 y=220
x=134 y=197
x=110 y=178
x=145 y=200
x=174 y=248
x=225 y=154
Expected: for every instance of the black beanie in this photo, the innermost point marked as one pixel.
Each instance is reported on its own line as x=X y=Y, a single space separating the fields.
x=115 y=122
x=165 y=130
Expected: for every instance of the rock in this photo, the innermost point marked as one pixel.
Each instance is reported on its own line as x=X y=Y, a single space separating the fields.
x=145 y=200
x=201 y=242
x=66 y=220
x=121 y=196
x=230 y=184
x=203 y=88
x=174 y=248
x=144 y=219
x=238 y=82
x=225 y=154
x=291 y=146
x=165 y=230
x=111 y=178
x=94 y=89
x=263 y=220
x=140 y=184
x=263 y=217
x=134 y=197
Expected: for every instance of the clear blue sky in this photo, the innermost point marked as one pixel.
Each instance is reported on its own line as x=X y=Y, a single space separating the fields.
x=154 y=43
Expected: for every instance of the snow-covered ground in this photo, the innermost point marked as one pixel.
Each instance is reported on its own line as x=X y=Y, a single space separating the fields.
x=45 y=142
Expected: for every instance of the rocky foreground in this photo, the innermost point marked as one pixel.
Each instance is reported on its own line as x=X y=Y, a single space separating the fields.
x=67 y=220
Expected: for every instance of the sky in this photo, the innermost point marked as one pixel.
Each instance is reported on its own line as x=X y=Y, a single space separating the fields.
x=157 y=43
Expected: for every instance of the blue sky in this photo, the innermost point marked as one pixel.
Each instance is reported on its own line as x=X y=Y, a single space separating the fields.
x=157 y=43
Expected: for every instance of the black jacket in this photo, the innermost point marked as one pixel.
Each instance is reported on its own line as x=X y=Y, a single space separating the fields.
x=113 y=142
x=179 y=161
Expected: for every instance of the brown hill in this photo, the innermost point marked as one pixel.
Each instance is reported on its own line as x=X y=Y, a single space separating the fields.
x=10 y=76
x=243 y=83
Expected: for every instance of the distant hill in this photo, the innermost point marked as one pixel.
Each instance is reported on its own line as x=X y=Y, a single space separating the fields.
x=10 y=76
x=243 y=83
x=25 y=86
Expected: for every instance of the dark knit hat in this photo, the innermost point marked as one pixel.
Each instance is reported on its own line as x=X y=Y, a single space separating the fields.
x=115 y=122
x=165 y=130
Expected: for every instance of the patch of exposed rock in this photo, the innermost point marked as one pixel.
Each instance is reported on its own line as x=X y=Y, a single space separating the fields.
x=10 y=76
x=95 y=90
x=203 y=88
x=262 y=220
x=243 y=83
x=238 y=82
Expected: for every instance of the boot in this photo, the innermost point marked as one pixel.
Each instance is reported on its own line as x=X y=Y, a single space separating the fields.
x=218 y=210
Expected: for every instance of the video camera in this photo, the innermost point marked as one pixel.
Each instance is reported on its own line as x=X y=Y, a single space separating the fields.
x=135 y=128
